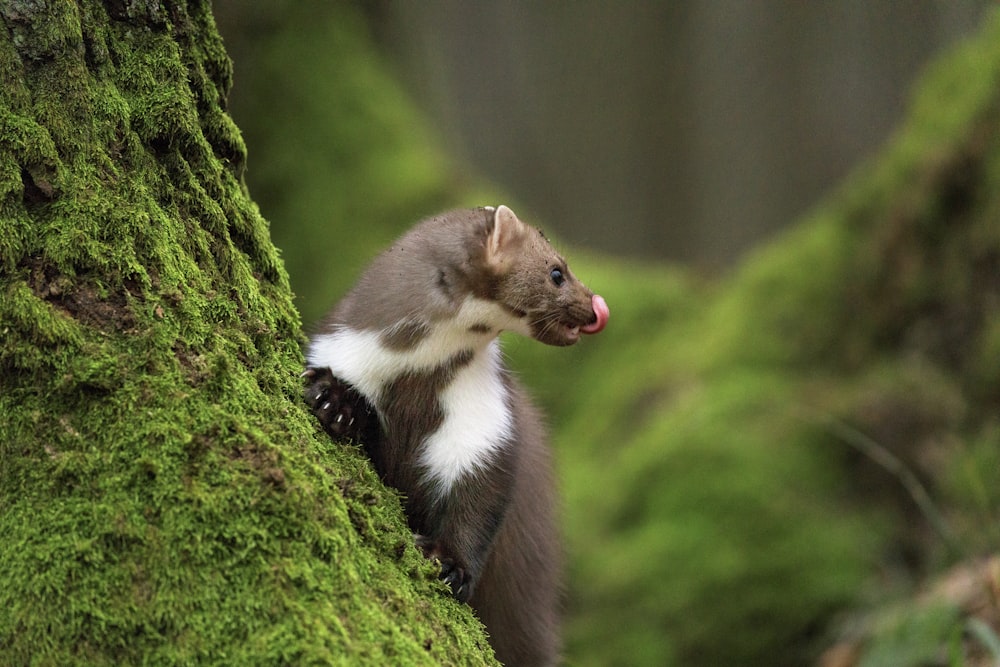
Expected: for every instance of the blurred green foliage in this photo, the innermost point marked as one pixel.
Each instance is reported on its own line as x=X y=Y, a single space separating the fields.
x=339 y=160
x=715 y=514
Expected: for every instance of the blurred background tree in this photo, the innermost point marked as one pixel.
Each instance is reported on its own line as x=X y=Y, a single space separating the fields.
x=686 y=131
x=761 y=467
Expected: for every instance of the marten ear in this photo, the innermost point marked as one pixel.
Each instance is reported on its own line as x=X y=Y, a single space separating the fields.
x=505 y=235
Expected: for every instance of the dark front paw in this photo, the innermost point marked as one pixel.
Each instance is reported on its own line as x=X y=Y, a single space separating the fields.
x=455 y=576
x=343 y=412
x=452 y=571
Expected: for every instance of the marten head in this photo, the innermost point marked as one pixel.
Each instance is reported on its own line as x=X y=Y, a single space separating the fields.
x=534 y=283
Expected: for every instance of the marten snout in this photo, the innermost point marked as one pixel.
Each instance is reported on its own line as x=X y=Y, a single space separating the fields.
x=564 y=326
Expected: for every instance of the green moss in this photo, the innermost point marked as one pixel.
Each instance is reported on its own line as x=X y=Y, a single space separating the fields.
x=164 y=497
x=694 y=528
x=971 y=489
x=915 y=637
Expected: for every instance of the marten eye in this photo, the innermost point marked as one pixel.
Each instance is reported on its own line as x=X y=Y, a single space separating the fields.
x=557 y=277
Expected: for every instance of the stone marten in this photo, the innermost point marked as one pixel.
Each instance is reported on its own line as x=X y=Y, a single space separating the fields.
x=409 y=364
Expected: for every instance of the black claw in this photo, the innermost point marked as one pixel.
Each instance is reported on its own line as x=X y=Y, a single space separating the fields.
x=343 y=412
x=454 y=576
x=452 y=573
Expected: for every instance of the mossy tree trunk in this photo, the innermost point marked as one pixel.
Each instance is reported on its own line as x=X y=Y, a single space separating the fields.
x=164 y=496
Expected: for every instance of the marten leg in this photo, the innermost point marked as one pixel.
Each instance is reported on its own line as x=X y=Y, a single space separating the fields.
x=459 y=530
x=452 y=571
x=343 y=412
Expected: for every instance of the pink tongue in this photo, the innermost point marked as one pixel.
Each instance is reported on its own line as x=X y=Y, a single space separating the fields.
x=602 y=312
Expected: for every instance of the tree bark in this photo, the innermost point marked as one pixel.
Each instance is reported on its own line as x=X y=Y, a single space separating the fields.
x=164 y=496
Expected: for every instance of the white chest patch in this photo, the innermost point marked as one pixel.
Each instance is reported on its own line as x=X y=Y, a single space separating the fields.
x=360 y=358
x=477 y=420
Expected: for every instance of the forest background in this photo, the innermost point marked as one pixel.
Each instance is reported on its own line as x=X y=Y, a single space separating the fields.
x=784 y=450
x=774 y=448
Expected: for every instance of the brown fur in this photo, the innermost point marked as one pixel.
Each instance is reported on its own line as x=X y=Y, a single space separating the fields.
x=519 y=593
x=495 y=530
